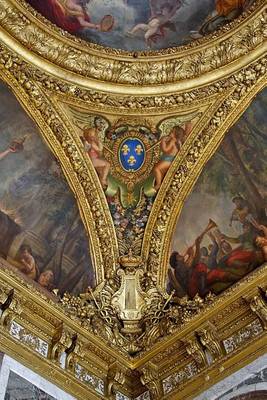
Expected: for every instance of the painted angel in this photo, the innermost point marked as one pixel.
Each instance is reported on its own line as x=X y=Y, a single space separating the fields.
x=161 y=15
x=92 y=139
x=174 y=132
x=71 y=15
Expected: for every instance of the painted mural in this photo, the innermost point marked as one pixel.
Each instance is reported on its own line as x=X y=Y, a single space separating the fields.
x=41 y=235
x=221 y=234
x=140 y=24
x=131 y=157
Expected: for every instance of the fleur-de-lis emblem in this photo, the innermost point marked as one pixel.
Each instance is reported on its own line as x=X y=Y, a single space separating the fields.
x=139 y=149
x=125 y=149
x=131 y=161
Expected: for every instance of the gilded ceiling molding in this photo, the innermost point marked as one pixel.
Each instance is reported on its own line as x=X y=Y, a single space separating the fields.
x=73 y=59
x=36 y=332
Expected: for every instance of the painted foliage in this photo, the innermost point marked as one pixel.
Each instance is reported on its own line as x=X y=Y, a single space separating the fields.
x=41 y=233
x=221 y=234
x=140 y=24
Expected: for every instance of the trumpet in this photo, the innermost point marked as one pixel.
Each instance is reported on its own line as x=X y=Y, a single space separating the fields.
x=211 y=224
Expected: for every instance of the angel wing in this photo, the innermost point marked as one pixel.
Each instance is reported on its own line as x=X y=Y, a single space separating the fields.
x=80 y=118
x=83 y=120
x=166 y=125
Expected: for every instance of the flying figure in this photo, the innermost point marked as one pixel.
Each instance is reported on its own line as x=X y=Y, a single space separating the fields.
x=161 y=15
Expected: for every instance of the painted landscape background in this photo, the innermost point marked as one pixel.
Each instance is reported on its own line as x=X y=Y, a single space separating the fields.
x=221 y=234
x=41 y=233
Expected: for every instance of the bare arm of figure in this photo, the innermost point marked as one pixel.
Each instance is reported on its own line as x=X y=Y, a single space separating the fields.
x=197 y=248
x=95 y=147
x=166 y=144
x=86 y=24
x=29 y=265
x=179 y=144
x=190 y=256
x=74 y=6
x=5 y=153
x=18 y=264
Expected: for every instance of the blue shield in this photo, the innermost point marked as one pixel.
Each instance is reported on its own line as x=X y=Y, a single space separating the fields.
x=132 y=154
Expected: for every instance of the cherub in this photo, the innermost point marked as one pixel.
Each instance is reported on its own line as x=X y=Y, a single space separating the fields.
x=94 y=149
x=26 y=262
x=170 y=146
x=158 y=21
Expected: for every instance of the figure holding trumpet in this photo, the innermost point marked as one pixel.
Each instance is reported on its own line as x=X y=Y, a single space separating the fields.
x=190 y=275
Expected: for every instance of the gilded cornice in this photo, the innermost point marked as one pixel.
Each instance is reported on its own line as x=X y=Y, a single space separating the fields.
x=61 y=55
x=35 y=330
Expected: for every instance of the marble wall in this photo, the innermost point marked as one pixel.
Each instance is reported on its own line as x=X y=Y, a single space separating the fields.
x=250 y=380
x=20 y=383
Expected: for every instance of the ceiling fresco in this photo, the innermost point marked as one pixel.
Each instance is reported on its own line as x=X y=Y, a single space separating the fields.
x=140 y=24
x=42 y=235
x=221 y=234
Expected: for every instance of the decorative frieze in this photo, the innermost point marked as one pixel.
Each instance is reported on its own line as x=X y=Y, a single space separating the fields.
x=84 y=376
x=180 y=377
x=20 y=333
x=121 y=396
x=243 y=336
x=144 y=396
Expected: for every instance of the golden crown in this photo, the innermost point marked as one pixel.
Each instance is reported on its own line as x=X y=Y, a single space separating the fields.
x=130 y=260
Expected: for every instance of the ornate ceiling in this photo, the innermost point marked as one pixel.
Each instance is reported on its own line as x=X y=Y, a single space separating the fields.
x=141 y=25
x=133 y=202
